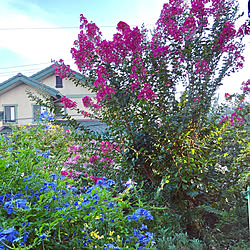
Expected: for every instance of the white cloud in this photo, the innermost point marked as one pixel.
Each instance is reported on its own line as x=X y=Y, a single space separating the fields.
x=37 y=45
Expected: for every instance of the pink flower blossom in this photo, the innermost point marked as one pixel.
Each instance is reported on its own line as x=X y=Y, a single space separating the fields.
x=74 y=148
x=239 y=108
x=84 y=113
x=66 y=132
x=123 y=27
x=87 y=101
x=198 y=99
x=227 y=96
x=147 y=93
x=135 y=85
x=93 y=159
x=99 y=82
x=226 y=35
x=68 y=103
x=224 y=119
x=244 y=30
x=198 y=9
x=104 y=92
x=245 y=86
x=62 y=70
x=162 y=51
x=202 y=68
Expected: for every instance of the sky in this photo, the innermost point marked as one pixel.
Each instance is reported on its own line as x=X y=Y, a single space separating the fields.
x=34 y=32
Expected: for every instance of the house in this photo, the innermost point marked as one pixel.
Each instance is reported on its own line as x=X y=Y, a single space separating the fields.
x=16 y=107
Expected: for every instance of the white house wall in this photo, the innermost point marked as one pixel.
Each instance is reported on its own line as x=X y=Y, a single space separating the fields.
x=17 y=96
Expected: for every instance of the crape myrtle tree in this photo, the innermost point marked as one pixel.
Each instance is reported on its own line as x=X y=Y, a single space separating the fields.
x=167 y=139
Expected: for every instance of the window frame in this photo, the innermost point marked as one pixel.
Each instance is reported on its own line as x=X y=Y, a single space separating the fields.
x=59 y=82
x=15 y=113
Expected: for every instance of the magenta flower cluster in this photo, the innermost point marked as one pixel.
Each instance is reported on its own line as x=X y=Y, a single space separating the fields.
x=234 y=118
x=202 y=68
x=64 y=70
x=179 y=25
x=68 y=103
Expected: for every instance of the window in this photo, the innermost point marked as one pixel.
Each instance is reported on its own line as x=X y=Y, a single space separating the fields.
x=37 y=110
x=60 y=111
x=1 y=115
x=58 y=82
x=10 y=113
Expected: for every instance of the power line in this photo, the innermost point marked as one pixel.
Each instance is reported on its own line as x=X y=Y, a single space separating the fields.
x=27 y=65
x=53 y=28
x=37 y=28
x=17 y=71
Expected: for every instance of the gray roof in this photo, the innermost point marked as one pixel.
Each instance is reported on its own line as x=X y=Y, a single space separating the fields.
x=31 y=82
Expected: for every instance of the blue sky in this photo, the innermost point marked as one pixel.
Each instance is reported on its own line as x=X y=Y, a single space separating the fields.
x=36 y=47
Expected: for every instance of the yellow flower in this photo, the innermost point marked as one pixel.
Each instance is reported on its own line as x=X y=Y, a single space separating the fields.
x=95 y=233
x=111 y=233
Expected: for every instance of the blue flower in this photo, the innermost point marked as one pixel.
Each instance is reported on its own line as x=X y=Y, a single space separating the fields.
x=46 y=207
x=10 y=235
x=111 y=182
x=26 y=235
x=73 y=189
x=42 y=236
x=18 y=203
x=110 y=246
x=45 y=154
x=53 y=176
x=144 y=227
x=45 y=116
x=146 y=238
x=141 y=213
x=26 y=188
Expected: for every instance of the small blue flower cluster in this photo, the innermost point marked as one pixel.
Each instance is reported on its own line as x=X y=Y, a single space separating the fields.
x=18 y=203
x=45 y=116
x=8 y=235
x=59 y=199
x=141 y=213
x=110 y=246
x=45 y=154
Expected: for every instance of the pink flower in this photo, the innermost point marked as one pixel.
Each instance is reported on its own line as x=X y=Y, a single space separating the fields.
x=77 y=157
x=245 y=86
x=202 y=68
x=68 y=103
x=99 y=82
x=123 y=27
x=147 y=93
x=62 y=70
x=87 y=101
x=226 y=34
x=104 y=92
x=93 y=159
x=135 y=85
x=160 y=51
x=225 y=118
x=66 y=132
x=244 y=30
x=95 y=179
x=227 y=96
x=106 y=147
x=85 y=114
x=198 y=99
